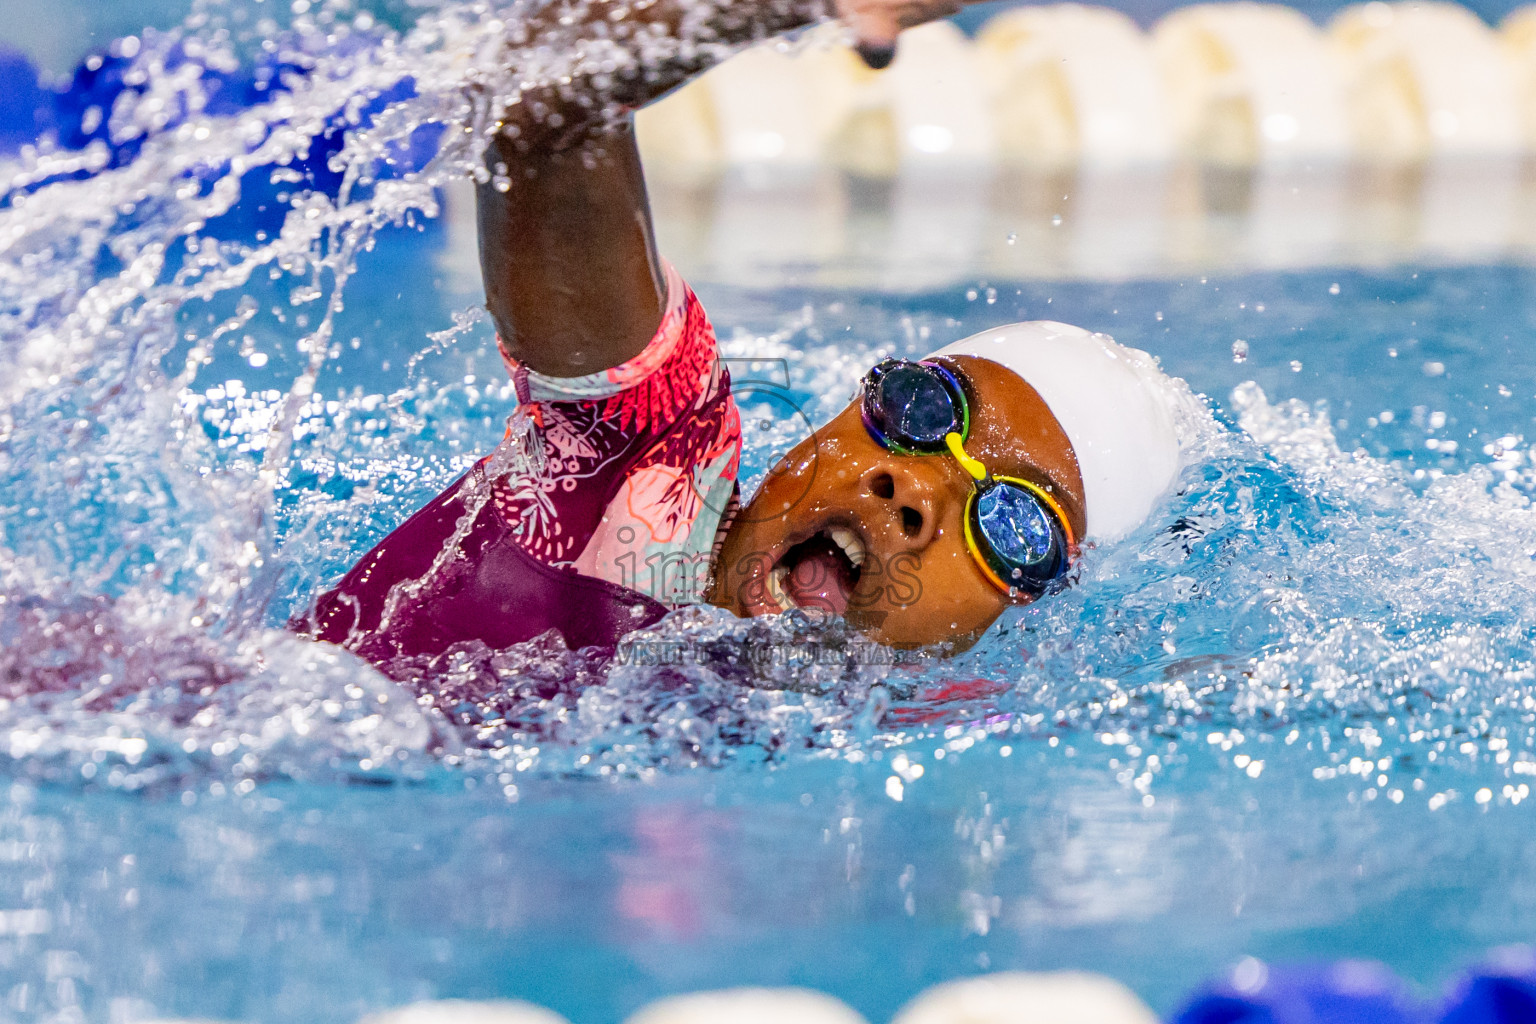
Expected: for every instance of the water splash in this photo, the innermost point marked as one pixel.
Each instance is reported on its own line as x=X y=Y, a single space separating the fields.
x=182 y=465
x=157 y=507
x=142 y=502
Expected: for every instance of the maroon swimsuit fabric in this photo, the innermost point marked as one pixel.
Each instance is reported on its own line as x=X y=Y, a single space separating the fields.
x=491 y=590
x=512 y=575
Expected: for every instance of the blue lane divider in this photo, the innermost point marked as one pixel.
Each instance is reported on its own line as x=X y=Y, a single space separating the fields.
x=1502 y=992
x=1348 y=992
x=1357 y=992
x=1493 y=1000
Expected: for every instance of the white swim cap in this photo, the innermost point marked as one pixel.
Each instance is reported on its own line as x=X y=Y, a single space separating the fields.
x=1114 y=404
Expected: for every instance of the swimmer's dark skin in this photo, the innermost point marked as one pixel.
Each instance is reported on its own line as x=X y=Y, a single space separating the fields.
x=574 y=284
x=920 y=585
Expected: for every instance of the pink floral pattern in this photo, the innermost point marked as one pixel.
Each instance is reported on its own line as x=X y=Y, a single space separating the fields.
x=640 y=461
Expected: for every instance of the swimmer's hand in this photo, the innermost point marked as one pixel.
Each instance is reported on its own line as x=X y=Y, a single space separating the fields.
x=877 y=23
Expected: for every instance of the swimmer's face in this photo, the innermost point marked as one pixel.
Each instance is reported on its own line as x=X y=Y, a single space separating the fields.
x=839 y=498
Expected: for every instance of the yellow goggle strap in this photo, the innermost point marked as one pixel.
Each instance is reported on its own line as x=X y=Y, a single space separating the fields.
x=957 y=449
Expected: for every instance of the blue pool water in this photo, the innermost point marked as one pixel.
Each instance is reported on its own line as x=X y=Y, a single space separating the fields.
x=1292 y=717
x=1297 y=607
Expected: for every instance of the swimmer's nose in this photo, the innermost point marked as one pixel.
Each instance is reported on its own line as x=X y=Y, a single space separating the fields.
x=909 y=504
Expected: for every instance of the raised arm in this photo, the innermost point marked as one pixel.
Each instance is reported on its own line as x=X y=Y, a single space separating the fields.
x=571 y=273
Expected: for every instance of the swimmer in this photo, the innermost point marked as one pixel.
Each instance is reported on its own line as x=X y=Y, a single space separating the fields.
x=949 y=489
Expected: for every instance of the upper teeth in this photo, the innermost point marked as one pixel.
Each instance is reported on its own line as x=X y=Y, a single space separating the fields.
x=849 y=541
x=775 y=585
x=843 y=537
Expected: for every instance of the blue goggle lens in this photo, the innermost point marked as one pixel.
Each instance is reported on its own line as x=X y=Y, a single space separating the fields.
x=1015 y=526
x=916 y=409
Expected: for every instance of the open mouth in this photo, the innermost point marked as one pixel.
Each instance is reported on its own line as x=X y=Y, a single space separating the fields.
x=820 y=572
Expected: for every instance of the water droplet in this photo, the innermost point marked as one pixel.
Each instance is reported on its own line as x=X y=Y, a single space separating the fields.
x=1013 y=237
x=1295 y=365
x=1333 y=289
x=1239 y=351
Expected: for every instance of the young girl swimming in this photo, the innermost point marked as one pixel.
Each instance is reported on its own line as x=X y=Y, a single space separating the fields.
x=949 y=489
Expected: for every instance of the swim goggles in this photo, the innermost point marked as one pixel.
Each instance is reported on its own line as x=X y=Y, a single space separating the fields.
x=1015 y=530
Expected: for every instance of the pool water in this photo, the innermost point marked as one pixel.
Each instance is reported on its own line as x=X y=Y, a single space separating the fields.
x=1291 y=717
x=1172 y=773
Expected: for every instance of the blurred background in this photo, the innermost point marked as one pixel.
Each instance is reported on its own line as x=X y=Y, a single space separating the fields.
x=58 y=34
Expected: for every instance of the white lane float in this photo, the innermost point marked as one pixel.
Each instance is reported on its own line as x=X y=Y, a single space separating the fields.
x=459 y=258
x=937 y=98
x=764 y=106
x=1067 y=997
x=1517 y=37
x=777 y=103
x=749 y=141
x=817 y=103
x=1423 y=80
x=1048 y=147
x=927 y=109
x=459 y=1011
x=941 y=156
x=1070 y=85
x=1248 y=83
x=1430 y=83
x=777 y=201
x=1237 y=84
x=679 y=135
x=748 y=1006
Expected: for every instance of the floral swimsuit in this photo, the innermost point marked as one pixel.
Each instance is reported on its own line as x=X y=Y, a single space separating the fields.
x=613 y=520
x=641 y=461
